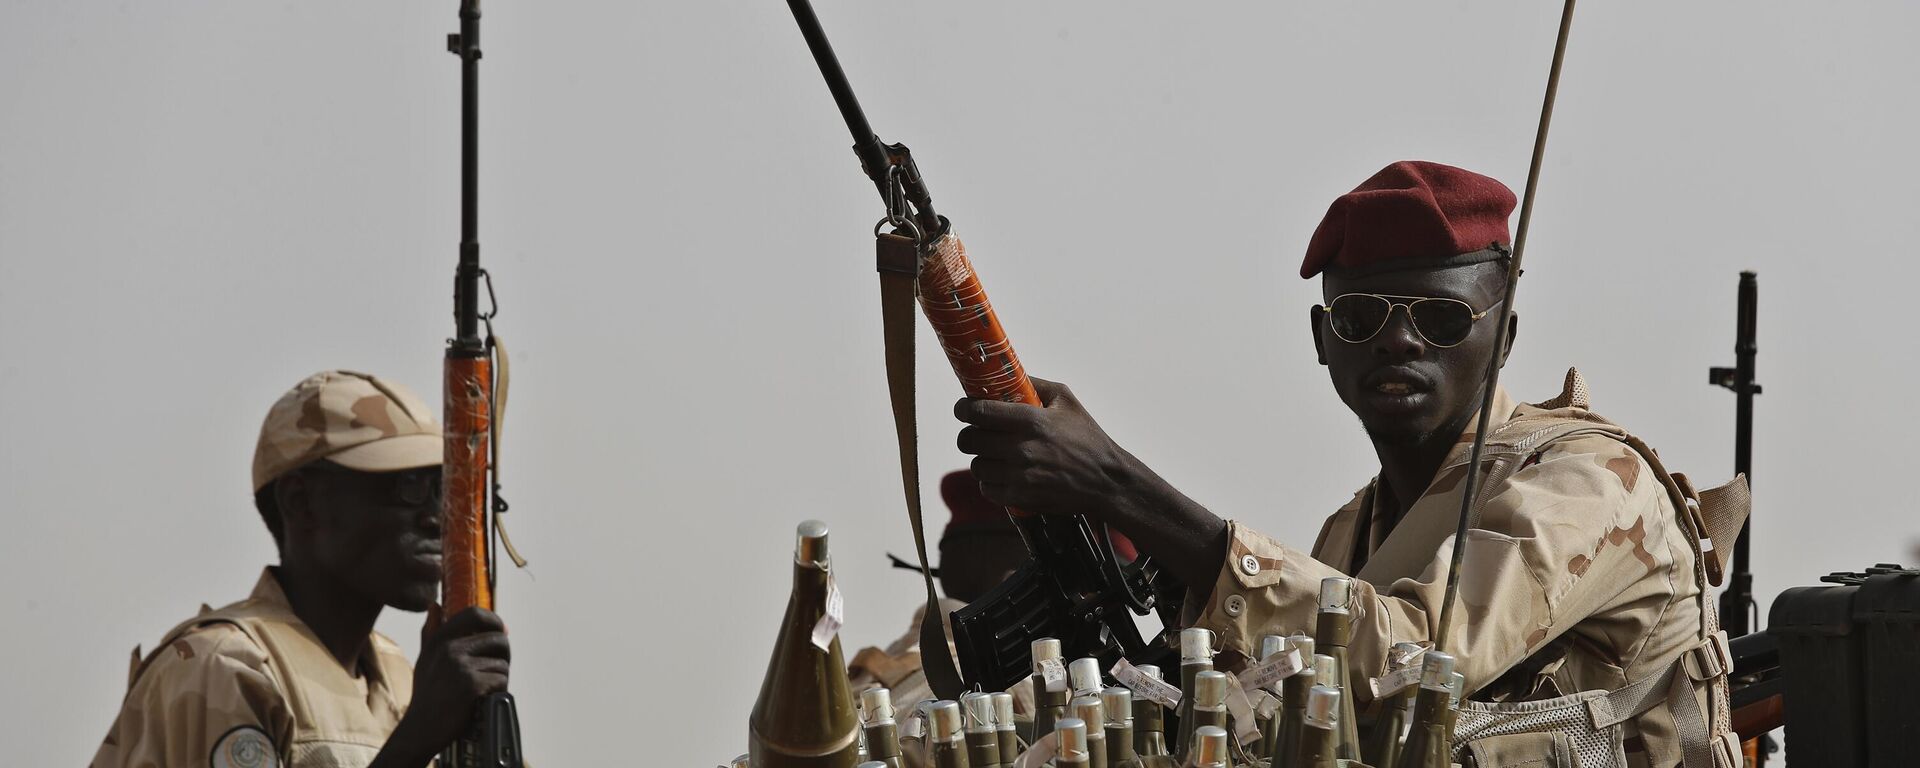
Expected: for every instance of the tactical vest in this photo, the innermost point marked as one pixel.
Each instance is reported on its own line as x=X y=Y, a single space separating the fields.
x=1586 y=729
x=332 y=726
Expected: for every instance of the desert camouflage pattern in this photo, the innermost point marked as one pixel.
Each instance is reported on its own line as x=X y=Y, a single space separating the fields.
x=364 y=421
x=1579 y=576
x=250 y=686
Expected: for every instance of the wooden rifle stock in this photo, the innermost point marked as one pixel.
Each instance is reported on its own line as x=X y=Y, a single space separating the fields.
x=1761 y=717
x=468 y=394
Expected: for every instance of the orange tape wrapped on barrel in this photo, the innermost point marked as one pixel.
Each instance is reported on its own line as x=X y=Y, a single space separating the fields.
x=969 y=332
x=469 y=414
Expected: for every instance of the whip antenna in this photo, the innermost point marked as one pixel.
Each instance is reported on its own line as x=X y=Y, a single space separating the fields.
x=1500 y=337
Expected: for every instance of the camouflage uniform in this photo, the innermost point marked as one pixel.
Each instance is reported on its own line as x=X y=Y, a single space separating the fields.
x=1580 y=576
x=250 y=685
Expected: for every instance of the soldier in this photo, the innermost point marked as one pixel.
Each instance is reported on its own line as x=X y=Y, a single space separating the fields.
x=1580 y=575
x=347 y=477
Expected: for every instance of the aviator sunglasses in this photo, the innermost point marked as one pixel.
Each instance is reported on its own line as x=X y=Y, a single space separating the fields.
x=1358 y=317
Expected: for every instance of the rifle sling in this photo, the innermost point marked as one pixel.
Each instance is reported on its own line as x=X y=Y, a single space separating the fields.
x=897 y=259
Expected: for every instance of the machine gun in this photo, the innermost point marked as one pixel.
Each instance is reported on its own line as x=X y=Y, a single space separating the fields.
x=1073 y=586
x=1737 y=607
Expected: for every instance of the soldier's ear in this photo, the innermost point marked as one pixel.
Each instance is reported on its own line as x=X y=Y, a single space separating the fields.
x=1513 y=332
x=1317 y=319
x=293 y=495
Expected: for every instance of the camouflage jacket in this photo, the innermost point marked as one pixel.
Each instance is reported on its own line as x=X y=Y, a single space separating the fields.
x=1578 y=576
x=250 y=685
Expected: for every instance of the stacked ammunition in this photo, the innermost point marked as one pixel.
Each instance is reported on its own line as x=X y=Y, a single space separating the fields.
x=804 y=715
x=1196 y=656
x=1293 y=708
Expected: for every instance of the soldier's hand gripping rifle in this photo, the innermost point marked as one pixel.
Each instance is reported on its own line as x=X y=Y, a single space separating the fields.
x=1073 y=587
x=469 y=495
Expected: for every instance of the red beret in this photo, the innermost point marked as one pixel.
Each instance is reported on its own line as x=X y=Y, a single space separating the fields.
x=1412 y=211
x=972 y=512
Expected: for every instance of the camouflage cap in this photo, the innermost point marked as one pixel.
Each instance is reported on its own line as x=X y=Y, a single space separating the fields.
x=353 y=419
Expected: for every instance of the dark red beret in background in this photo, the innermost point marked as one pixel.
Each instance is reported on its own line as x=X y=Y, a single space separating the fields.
x=973 y=513
x=1412 y=213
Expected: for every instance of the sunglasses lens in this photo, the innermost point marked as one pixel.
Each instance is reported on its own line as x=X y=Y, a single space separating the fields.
x=1445 y=322
x=1357 y=317
x=419 y=487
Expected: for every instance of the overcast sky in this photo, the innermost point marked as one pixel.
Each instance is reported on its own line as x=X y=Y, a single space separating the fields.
x=203 y=202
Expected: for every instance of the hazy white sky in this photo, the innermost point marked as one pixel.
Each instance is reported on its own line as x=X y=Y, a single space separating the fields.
x=202 y=202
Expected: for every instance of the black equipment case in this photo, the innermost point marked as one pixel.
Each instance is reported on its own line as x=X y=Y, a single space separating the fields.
x=1850 y=658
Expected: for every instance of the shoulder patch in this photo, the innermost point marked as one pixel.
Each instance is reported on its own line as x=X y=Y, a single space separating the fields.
x=244 y=747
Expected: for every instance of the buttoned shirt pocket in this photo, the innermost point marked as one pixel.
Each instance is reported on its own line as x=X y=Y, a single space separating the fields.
x=1545 y=749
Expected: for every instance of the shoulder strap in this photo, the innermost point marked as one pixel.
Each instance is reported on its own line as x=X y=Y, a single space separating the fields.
x=1705 y=739
x=207 y=617
x=897 y=258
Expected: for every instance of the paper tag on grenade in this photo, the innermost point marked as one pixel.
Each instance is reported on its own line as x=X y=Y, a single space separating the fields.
x=1054 y=674
x=830 y=622
x=1265 y=704
x=1145 y=686
x=1277 y=667
x=1395 y=681
x=1042 y=751
x=1241 y=710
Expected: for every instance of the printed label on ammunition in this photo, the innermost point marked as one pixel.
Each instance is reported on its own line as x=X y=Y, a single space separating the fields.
x=1265 y=704
x=829 y=623
x=1054 y=674
x=1395 y=681
x=1145 y=686
x=1241 y=709
x=1040 y=753
x=1277 y=667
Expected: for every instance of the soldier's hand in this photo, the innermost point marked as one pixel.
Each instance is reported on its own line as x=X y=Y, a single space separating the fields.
x=462 y=660
x=1057 y=460
x=1053 y=459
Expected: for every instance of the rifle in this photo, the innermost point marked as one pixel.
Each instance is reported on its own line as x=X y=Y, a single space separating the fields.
x=470 y=499
x=1737 y=606
x=1073 y=587
x=1757 y=678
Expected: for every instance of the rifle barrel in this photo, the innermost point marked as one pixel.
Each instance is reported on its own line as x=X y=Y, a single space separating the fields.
x=873 y=155
x=466 y=286
x=1737 y=604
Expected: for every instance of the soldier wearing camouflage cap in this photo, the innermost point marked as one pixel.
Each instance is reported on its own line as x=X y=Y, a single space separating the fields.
x=1584 y=572
x=346 y=475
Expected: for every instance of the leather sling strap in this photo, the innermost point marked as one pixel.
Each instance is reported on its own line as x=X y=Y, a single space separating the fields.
x=897 y=259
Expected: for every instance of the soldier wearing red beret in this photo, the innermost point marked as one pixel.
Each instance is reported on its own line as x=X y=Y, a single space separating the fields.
x=1581 y=574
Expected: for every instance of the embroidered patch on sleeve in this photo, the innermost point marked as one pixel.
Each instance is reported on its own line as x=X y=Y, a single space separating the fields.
x=244 y=747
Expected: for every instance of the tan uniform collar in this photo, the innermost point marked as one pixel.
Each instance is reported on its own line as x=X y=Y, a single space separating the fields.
x=1369 y=518
x=268 y=593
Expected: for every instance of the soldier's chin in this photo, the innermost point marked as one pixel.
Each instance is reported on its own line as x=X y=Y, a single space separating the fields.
x=415 y=597
x=1396 y=432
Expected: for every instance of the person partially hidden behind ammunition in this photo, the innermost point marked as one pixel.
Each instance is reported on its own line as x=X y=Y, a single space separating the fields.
x=346 y=475
x=1584 y=571
x=979 y=548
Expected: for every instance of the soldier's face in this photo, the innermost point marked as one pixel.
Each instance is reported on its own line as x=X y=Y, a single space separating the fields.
x=1405 y=389
x=377 y=533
